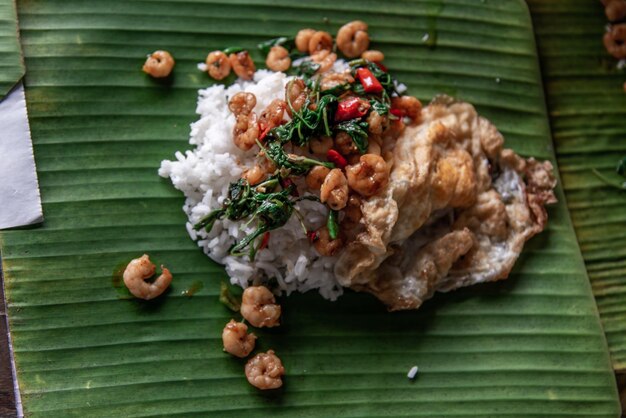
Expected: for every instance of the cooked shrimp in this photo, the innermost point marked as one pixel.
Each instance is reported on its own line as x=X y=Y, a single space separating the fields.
x=376 y=123
x=324 y=245
x=316 y=177
x=615 y=41
x=295 y=95
x=159 y=64
x=265 y=371
x=320 y=41
x=374 y=147
x=615 y=9
x=331 y=80
x=353 y=209
x=246 y=131
x=236 y=339
x=369 y=176
x=254 y=175
x=352 y=39
x=302 y=39
x=278 y=59
x=273 y=114
x=242 y=103
x=409 y=106
x=321 y=145
x=373 y=55
x=218 y=65
x=325 y=59
x=334 y=190
x=258 y=306
x=242 y=65
x=344 y=144
x=138 y=271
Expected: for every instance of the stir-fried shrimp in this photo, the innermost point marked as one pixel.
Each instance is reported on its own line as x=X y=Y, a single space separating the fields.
x=295 y=95
x=369 y=176
x=331 y=80
x=353 y=209
x=258 y=306
x=324 y=245
x=320 y=41
x=218 y=65
x=373 y=55
x=141 y=269
x=334 y=190
x=246 y=131
x=236 y=339
x=615 y=41
x=615 y=10
x=302 y=39
x=278 y=59
x=376 y=123
x=316 y=177
x=273 y=115
x=265 y=371
x=321 y=145
x=373 y=147
x=352 y=39
x=242 y=103
x=159 y=64
x=344 y=144
x=409 y=106
x=254 y=175
x=242 y=65
x=325 y=59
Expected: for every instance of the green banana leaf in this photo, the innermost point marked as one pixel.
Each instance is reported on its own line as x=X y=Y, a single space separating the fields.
x=587 y=105
x=529 y=346
x=11 y=65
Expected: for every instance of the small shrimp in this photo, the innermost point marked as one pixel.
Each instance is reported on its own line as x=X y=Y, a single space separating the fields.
x=373 y=55
x=352 y=39
x=265 y=371
x=246 y=131
x=254 y=175
x=344 y=144
x=614 y=9
x=320 y=41
x=278 y=59
x=409 y=106
x=324 y=245
x=302 y=39
x=331 y=80
x=295 y=95
x=236 y=339
x=369 y=176
x=258 y=306
x=316 y=177
x=321 y=145
x=242 y=103
x=353 y=209
x=615 y=41
x=138 y=271
x=334 y=190
x=374 y=147
x=242 y=65
x=218 y=65
x=159 y=64
x=325 y=59
x=376 y=123
x=273 y=115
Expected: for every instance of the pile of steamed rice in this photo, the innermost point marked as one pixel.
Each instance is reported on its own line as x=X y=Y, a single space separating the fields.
x=204 y=174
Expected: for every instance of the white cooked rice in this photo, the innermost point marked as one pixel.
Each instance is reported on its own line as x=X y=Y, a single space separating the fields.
x=204 y=174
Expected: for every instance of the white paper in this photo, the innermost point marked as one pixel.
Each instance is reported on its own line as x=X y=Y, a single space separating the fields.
x=20 y=203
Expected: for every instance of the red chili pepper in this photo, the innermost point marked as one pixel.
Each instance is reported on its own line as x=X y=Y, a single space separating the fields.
x=368 y=81
x=287 y=182
x=313 y=236
x=265 y=240
x=396 y=112
x=381 y=66
x=264 y=130
x=336 y=158
x=351 y=108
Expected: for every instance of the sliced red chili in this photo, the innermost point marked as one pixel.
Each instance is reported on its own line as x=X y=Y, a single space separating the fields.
x=286 y=183
x=368 y=81
x=265 y=241
x=396 y=112
x=381 y=66
x=313 y=236
x=336 y=158
x=351 y=108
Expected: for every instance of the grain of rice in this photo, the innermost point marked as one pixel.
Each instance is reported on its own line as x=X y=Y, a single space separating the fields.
x=412 y=373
